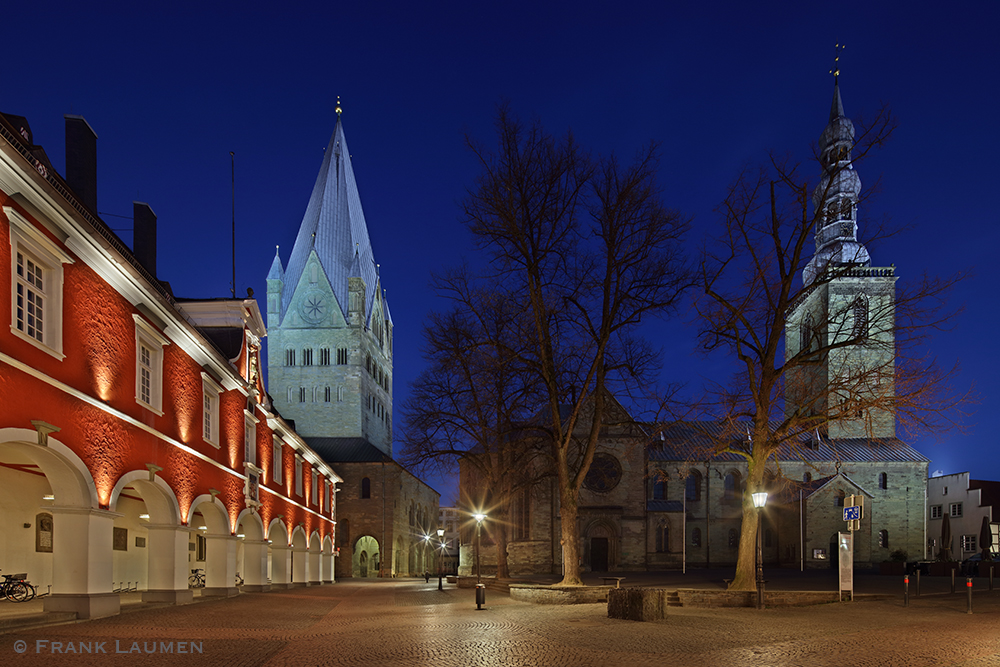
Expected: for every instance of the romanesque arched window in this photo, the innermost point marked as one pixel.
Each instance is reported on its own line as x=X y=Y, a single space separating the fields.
x=731 y=486
x=883 y=480
x=366 y=488
x=662 y=538
x=659 y=488
x=692 y=486
x=290 y=357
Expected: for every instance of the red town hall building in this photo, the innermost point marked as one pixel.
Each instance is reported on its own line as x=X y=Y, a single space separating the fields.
x=137 y=441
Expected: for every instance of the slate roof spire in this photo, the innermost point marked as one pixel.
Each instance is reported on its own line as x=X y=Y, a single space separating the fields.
x=334 y=225
x=835 y=198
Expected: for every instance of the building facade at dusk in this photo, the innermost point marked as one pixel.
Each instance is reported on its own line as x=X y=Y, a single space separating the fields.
x=137 y=440
x=330 y=361
x=653 y=499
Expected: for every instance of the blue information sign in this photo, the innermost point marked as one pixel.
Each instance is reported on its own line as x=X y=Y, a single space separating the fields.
x=852 y=513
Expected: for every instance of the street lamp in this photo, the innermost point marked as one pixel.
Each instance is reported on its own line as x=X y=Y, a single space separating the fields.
x=441 y=544
x=759 y=500
x=479 y=517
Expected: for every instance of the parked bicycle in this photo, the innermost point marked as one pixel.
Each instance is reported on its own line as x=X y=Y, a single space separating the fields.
x=197 y=578
x=15 y=588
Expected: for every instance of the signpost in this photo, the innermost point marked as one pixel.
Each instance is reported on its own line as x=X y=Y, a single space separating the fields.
x=854 y=511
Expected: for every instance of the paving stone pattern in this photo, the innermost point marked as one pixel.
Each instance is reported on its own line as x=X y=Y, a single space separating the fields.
x=406 y=622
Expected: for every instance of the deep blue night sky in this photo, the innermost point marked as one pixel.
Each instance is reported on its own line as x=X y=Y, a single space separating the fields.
x=171 y=92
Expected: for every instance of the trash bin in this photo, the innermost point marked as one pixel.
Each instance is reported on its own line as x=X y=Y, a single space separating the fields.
x=480 y=595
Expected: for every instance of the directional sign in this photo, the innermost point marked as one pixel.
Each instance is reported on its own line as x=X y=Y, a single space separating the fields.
x=852 y=513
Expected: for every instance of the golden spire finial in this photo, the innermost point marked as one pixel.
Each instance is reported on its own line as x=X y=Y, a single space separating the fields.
x=836 y=60
x=338 y=108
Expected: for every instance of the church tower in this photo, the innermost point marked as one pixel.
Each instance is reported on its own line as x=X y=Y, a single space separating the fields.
x=329 y=329
x=847 y=311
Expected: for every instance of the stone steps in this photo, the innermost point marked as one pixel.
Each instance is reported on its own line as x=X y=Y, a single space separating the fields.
x=42 y=618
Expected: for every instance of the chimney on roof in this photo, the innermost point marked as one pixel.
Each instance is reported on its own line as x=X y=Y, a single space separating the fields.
x=81 y=160
x=144 y=235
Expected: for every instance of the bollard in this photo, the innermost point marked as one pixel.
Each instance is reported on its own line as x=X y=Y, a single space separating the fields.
x=918 y=582
x=991 y=577
x=906 y=591
x=952 y=580
x=480 y=596
x=968 y=587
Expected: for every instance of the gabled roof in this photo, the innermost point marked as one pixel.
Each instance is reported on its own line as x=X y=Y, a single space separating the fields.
x=690 y=441
x=334 y=224
x=790 y=493
x=346 y=450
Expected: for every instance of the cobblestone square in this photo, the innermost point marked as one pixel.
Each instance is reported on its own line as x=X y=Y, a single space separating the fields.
x=409 y=622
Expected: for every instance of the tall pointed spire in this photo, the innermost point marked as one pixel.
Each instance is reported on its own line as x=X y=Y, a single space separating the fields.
x=334 y=226
x=835 y=198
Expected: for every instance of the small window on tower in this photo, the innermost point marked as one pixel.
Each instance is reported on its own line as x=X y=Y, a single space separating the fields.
x=326 y=394
x=324 y=356
x=289 y=357
x=341 y=356
x=307 y=357
x=302 y=394
x=860 y=312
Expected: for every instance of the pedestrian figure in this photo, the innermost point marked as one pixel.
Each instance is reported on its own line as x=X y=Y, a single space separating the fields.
x=427 y=577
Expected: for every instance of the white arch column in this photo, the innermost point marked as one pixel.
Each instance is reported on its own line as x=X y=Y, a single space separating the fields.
x=220 y=566
x=168 y=564
x=255 y=566
x=82 y=565
x=326 y=563
x=281 y=566
x=315 y=574
x=300 y=566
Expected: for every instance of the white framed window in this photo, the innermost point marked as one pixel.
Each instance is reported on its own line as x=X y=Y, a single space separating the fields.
x=936 y=511
x=210 y=391
x=955 y=509
x=36 y=277
x=277 y=462
x=969 y=543
x=149 y=344
x=298 y=475
x=249 y=438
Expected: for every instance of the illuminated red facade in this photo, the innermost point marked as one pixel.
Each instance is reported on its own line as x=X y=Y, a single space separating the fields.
x=137 y=441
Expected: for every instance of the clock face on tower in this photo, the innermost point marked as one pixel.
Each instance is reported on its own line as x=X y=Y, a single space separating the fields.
x=313 y=307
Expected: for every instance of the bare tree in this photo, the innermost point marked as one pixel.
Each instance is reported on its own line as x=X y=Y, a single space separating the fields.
x=471 y=404
x=587 y=251
x=838 y=353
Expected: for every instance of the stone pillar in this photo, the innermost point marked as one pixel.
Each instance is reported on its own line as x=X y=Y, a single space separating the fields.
x=168 y=564
x=255 y=566
x=281 y=567
x=220 y=566
x=326 y=562
x=82 y=566
x=300 y=567
x=314 y=575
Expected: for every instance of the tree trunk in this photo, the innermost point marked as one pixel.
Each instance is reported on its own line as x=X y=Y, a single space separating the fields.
x=745 y=578
x=570 y=538
x=746 y=570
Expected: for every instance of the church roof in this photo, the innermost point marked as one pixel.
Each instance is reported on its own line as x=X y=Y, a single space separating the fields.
x=334 y=224
x=689 y=441
x=346 y=450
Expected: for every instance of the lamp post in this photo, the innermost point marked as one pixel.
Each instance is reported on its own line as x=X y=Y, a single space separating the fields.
x=479 y=517
x=759 y=500
x=441 y=544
